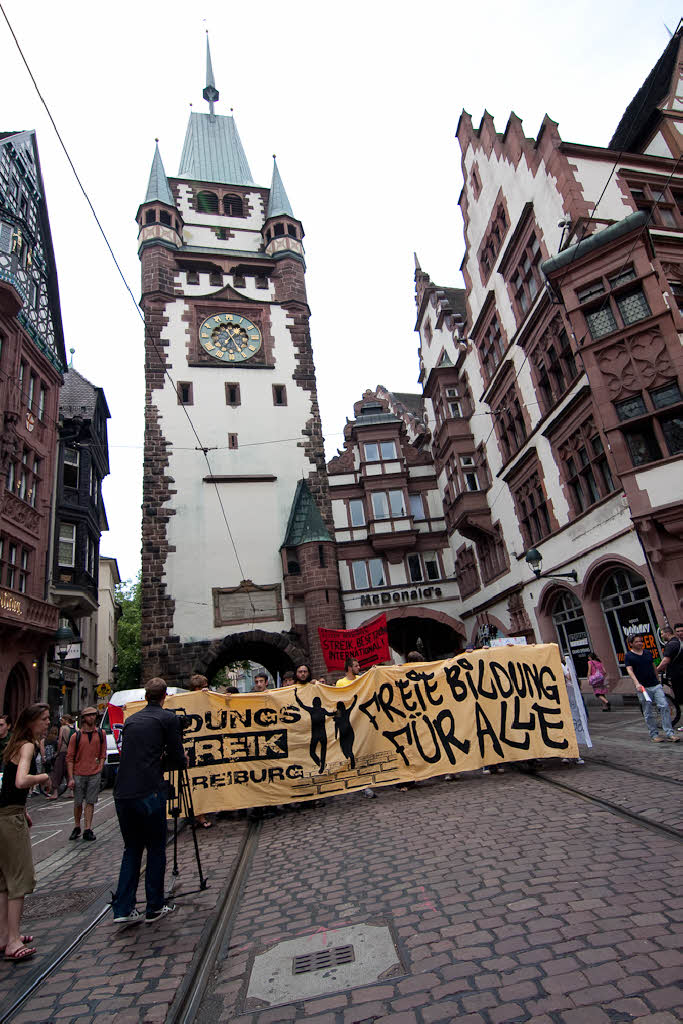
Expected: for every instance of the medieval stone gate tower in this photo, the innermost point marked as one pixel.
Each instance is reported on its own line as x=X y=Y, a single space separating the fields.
x=238 y=559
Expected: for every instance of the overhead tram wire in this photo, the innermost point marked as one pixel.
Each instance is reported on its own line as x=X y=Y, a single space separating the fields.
x=203 y=448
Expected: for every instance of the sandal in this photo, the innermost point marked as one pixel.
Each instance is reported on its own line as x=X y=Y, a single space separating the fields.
x=23 y=953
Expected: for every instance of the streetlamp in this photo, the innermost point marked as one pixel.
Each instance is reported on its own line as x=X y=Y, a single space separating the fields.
x=534 y=560
x=64 y=637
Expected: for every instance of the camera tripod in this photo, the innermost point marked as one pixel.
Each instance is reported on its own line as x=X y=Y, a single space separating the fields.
x=180 y=802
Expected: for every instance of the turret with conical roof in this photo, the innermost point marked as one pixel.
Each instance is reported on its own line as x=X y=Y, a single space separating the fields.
x=158 y=218
x=282 y=232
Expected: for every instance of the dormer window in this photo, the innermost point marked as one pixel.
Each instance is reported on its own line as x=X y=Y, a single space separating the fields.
x=233 y=206
x=207 y=202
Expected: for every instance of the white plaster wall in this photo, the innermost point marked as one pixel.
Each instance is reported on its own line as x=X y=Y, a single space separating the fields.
x=658 y=147
x=257 y=512
x=202 y=235
x=593 y=175
x=659 y=483
x=339 y=515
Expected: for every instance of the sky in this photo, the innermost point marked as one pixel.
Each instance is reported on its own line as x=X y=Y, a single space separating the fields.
x=359 y=101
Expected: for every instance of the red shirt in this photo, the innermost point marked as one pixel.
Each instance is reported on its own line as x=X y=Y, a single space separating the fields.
x=90 y=756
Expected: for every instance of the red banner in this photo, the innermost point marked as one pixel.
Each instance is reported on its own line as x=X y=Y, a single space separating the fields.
x=368 y=644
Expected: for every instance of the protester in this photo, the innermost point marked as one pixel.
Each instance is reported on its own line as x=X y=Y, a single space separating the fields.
x=50 y=755
x=85 y=758
x=640 y=666
x=151 y=742
x=66 y=731
x=5 y=733
x=597 y=679
x=671 y=665
x=231 y=689
x=351 y=670
x=303 y=675
x=17 y=878
x=287 y=678
x=260 y=682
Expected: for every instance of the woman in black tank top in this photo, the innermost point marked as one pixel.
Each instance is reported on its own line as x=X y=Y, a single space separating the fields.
x=16 y=860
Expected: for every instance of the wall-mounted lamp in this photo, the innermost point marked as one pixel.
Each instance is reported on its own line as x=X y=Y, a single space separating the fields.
x=534 y=560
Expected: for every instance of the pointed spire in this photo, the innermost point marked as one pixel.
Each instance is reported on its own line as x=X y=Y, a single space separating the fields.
x=210 y=91
x=278 y=203
x=158 y=189
x=417 y=262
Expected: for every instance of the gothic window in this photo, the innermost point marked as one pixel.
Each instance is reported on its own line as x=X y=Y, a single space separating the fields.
x=554 y=365
x=509 y=423
x=532 y=509
x=526 y=278
x=664 y=205
x=492 y=555
x=233 y=206
x=466 y=572
x=650 y=436
x=612 y=303
x=585 y=467
x=491 y=348
x=207 y=202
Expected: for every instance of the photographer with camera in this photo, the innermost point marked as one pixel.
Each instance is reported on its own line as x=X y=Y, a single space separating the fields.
x=151 y=743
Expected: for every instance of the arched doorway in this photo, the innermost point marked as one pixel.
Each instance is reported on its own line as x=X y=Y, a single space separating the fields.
x=432 y=637
x=626 y=605
x=275 y=651
x=17 y=692
x=572 y=630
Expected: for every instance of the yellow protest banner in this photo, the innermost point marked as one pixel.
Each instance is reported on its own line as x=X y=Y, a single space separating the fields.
x=393 y=724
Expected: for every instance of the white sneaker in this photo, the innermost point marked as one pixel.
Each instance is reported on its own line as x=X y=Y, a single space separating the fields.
x=135 y=917
x=154 y=915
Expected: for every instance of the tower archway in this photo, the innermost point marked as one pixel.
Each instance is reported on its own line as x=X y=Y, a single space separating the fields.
x=275 y=651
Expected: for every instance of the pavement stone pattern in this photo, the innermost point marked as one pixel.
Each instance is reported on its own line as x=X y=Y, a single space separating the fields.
x=509 y=901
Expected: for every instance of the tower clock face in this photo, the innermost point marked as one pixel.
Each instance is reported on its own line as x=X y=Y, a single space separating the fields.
x=230 y=337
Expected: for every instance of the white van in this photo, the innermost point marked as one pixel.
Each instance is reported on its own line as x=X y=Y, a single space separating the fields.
x=112 y=729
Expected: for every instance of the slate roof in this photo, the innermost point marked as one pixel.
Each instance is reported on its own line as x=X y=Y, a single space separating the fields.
x=456 y=299
x=278 y=203
x=78 y=397
x=413 y=402
x=642 y=112
x=305 y=521
x=213 y=151
x=595 y=241
x=158 y=189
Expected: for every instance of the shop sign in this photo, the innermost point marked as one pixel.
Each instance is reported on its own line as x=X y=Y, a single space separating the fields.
x=10 y=603
x=73 y=652
x=634 y=620
x=401 y=596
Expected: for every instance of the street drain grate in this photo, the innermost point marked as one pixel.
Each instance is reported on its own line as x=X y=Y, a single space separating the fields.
x=60 y=903
x=322 y=958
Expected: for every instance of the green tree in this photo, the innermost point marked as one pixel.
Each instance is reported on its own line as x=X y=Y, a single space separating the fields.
x=128 y=656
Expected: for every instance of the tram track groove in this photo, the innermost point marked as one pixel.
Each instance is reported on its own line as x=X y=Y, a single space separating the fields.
x=190 y=994
x=615 y=809
x=603 y=762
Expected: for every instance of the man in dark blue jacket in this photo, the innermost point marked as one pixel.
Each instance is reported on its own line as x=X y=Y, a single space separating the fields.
x=151 y=744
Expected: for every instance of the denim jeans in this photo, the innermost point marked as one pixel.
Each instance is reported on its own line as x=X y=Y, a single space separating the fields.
x=660 y=702
x=143 y=826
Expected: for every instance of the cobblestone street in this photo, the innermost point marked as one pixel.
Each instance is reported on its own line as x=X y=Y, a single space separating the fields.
x=508 y=898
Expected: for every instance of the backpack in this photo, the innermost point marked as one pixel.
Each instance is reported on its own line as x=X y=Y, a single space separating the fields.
x=100 y=734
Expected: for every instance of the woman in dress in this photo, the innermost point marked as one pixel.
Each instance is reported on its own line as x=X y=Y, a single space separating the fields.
x=17 y=878
x=597 y=677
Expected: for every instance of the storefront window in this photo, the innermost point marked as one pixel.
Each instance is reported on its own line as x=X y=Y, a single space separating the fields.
x=572 y=631
x=628 y=611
